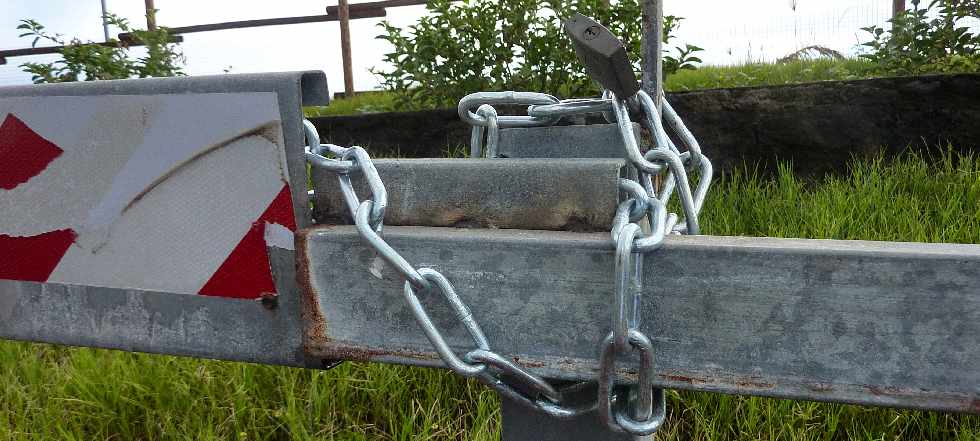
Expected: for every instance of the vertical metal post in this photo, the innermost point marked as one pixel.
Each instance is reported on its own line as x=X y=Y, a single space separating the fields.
x=151 y=15
x=520 y=424
x=898 y=7
x=344 y=12
x=653 y=60
x=105 y=24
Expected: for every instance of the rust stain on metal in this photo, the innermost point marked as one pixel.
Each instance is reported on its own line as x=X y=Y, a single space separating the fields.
x=753 y=383
x=677 y=378
x=315 y=324
x=342 y=351
x=887 y=391
x=820 y=387
x=528 y=363
x=696 y=379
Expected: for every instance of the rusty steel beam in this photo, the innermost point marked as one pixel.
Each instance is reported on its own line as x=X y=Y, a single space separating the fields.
x=4 y=54
x=358 y=14
x=877 y=323
x=378 y=4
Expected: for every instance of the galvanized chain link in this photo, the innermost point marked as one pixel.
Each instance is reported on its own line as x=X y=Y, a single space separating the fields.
x=639 y=409
x=482 y=363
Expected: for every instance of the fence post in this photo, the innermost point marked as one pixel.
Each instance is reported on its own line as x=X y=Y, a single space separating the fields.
x=344 y=12
x=653 y=64
x=151 y=16
x=898 y=7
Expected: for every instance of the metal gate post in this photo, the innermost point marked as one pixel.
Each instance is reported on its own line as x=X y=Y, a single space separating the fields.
x=520 y=424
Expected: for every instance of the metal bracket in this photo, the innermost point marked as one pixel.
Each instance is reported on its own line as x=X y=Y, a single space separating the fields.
x=573 y=141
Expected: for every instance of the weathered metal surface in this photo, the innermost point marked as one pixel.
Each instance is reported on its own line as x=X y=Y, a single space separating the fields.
x=159 y=322
x=574 y=141
x=139 y=317
x=890 y=324
x=519 y=424
x=567 y=194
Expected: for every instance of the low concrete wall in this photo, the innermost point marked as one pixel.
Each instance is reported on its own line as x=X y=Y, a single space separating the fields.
x=817 y=126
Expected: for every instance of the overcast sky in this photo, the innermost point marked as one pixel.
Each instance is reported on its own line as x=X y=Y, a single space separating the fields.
x=731 y=31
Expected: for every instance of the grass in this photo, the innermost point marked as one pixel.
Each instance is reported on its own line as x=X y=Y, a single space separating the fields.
x=768 y=74
x=51 y=392
x=706 y=77
x=360 y=103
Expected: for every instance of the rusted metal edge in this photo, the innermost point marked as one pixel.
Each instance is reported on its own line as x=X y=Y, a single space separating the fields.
x=875 y=323
x=701 y=381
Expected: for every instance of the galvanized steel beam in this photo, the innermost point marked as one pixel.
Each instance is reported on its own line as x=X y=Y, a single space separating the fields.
x=878 y=323
x=160 y=322
x=574 y=141
x=539 y=194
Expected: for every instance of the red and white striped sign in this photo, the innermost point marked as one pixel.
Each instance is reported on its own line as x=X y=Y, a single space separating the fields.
x=175 y=193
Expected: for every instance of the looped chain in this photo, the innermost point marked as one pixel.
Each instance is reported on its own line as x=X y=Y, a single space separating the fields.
x=639 y=226
x=492 y=130
x=639 y=409
x=487 y=366
x=486 y=120
x=649 y=404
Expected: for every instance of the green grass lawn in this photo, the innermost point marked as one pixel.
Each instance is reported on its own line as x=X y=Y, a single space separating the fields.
x=768 y=74
x=50 y=392
x=706 y=77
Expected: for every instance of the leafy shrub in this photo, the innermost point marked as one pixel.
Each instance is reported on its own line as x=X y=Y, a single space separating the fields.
x=88 y=61
x=932 y=39
x=478 y=45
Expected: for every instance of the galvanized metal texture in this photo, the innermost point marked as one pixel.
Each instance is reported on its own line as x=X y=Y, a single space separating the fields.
x=574 y=141
x=268 y=331
x=889 y=324
x=157 y=322
x=553 y=194
x=517 y=424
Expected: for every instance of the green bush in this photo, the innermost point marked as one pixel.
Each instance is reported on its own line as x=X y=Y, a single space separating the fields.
x=88 y=61
x=932 y=39
x=459 y=48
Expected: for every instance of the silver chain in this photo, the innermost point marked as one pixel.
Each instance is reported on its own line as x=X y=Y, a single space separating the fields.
x=481 y=362
x=639 y=226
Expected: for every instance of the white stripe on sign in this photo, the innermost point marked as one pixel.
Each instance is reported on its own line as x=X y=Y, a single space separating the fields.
x=278 y=236
x=207 y=206
x=166 y=192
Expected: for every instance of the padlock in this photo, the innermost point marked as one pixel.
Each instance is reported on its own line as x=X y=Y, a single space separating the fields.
x=604 y=55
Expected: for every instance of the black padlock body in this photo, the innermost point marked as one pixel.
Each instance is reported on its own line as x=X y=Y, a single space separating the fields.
x=603 y=55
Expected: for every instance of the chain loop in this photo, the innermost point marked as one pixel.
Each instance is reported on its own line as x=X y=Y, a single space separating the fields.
x=492 y=130
x=463 y=315
x=649 y=406
x=475 y=100
x=570 y=107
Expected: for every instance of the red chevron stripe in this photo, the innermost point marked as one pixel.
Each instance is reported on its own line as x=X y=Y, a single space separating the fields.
x=23 y=153
x=247 y=273
x=33 y=258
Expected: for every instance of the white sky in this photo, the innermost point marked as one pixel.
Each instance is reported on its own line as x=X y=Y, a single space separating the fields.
x=731 y=31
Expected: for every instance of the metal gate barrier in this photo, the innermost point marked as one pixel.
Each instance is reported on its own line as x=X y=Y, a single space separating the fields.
x=172 y=216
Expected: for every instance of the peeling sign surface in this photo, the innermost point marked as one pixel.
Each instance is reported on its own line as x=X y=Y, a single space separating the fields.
x=169 y=193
